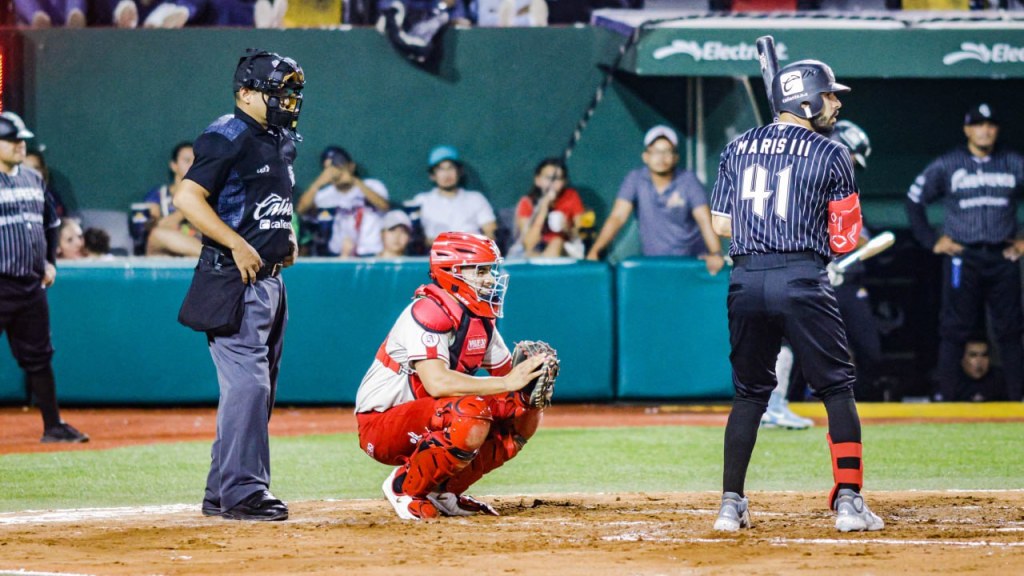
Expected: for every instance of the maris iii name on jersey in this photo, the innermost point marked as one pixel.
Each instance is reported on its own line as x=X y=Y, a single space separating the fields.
x=774 y=146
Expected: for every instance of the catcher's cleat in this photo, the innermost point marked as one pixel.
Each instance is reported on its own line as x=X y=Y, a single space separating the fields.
x=407 y=507
x=451 y=504
x=733 y=514
x=853 y=515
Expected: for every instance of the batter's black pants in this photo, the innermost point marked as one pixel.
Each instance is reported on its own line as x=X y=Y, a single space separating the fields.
x=25 y=318
x=979 y=277
x=773 y=296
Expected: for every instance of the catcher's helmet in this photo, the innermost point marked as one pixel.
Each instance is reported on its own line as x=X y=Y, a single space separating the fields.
x=855 y=139
x=12 y=127
x=280 y=79
x=797 y=88
x=481 y=291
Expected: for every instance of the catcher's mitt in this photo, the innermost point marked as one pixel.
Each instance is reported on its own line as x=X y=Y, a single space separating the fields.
x=538 y=392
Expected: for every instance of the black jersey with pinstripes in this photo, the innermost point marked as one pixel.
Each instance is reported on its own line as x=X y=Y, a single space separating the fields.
x=775 y=183
x=26 y=212
x=979 y=195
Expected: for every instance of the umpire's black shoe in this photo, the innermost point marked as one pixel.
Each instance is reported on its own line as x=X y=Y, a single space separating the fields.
x=212 y=507
x=63 y=432
x=260 y=506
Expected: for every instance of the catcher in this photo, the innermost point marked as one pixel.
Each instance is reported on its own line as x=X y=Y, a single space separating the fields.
x=420 y=407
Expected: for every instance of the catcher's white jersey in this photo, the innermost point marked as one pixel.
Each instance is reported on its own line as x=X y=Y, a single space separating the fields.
x=383 y=388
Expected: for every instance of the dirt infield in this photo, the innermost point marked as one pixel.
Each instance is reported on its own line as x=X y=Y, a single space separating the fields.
x=564 y=535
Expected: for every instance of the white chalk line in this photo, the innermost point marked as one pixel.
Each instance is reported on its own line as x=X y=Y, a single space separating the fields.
x=653 y=537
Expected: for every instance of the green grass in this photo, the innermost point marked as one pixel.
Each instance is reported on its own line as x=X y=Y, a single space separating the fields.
x=897 y=457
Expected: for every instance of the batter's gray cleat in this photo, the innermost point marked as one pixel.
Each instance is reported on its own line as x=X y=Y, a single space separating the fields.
x=734 y=514
x=451 y=504
x=783 y=417
x=853 y=515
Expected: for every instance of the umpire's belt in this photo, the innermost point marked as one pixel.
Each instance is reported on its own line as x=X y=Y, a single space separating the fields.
x=777 y=260
x=217 y=258
x=997 y=247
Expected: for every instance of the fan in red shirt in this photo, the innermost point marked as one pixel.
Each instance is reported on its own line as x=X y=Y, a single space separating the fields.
x=547 y=218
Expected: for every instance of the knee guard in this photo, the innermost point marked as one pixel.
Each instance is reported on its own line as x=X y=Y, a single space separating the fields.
x=460 y=427
x=847 y=466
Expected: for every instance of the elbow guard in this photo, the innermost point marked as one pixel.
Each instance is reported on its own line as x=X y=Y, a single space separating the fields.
x=844 y=223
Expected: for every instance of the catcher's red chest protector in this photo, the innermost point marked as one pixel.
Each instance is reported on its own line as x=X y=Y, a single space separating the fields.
x=438 y=311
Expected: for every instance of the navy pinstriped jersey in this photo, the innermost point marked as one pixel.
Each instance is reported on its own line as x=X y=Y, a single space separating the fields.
x=979 y=194
x=775 y=182
x=26 y=212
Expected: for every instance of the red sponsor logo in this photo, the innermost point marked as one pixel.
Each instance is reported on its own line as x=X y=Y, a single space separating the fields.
x=476 y=344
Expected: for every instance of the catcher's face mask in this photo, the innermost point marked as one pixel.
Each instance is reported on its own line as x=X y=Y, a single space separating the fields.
x=487 y=282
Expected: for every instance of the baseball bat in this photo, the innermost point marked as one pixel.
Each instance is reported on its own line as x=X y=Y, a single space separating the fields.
x=769 y=61
x=873 y=247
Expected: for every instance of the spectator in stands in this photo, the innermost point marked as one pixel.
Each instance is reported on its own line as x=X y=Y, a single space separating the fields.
x=672 y=206
x=70 y=240
x=448 y=207
x=414 y=27
x=348 y=207
x=170 y=234
x=548 y=217
x=35 y=160
x=396 y=230
x=507 y=13
x=179 y=13
x=97 y=243
x=48 y=13
x=977 y=380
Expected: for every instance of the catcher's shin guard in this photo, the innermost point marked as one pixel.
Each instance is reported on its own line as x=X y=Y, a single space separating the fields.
x=464 y=424
x=847 y=467
x=504 y=443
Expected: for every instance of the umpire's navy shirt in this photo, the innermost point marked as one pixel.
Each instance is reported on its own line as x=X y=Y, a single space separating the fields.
x=775 y=183
x=26 y=213
x=979 y=194
x=247 y=170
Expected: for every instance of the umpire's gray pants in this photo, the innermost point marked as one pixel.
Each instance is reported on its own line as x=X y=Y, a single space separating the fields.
x=247 y=367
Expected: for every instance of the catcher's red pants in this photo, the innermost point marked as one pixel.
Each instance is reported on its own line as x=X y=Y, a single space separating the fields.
x=391 y=437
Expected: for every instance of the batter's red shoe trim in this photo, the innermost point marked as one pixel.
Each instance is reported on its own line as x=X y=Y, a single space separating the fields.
x=845 y=474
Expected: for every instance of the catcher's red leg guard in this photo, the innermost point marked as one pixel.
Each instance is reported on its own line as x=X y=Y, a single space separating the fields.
x=847 y=467
x=464 y=424
x=505 y=441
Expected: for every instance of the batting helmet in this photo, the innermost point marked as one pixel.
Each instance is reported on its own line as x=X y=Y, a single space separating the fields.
x=855 y=139
x=452 y=253
x=12 y=127
x=797 y=88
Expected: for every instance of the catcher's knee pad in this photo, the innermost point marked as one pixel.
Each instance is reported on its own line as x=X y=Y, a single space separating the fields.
x=464 y=421
x=847 y=466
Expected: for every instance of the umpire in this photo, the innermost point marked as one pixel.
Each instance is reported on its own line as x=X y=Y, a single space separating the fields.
x=978 y=184
x=238 y=193
x=786 y=195
x=28 y=255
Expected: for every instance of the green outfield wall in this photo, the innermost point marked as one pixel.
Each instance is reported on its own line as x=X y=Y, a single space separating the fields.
x=117 y=339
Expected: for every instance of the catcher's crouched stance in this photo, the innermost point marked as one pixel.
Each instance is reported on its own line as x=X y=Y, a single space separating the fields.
x=420 y=408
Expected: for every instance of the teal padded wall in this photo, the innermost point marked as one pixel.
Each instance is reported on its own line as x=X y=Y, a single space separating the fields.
x=569 y=305
x=673 y=334
x=117 y=339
